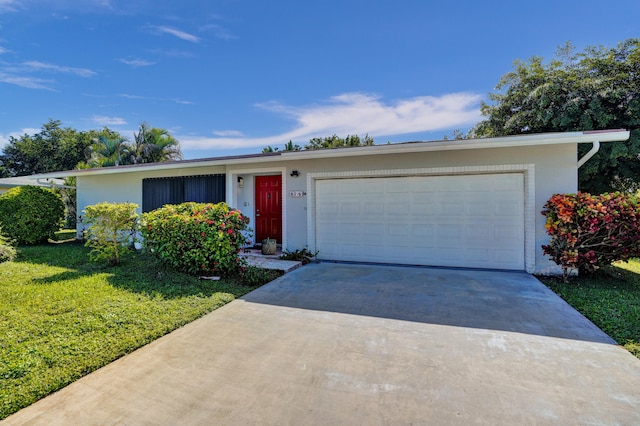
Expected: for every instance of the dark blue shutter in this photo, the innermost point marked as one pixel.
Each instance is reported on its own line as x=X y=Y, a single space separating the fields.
x=156 y=192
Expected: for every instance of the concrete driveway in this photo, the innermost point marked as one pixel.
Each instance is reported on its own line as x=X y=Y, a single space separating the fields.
x=333 y=344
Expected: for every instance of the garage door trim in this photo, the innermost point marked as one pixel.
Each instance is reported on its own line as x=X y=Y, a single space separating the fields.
x=528 y=171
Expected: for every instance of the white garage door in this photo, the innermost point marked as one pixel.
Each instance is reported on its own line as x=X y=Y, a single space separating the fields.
x=461 y=220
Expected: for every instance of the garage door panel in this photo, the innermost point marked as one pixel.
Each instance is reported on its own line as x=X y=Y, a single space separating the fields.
x=351 y=208
x=474 y=221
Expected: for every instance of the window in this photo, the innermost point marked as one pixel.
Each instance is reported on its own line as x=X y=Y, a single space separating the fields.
x=156 y=192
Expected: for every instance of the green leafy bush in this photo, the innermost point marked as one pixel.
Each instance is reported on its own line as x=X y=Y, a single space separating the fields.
x=30 y=214
x=301 y=255
x=111 y=230
x=7 y=250
x=590 y=231
x=196 y=238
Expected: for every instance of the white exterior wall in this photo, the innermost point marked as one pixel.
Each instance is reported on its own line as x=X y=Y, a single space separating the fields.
x=553 y=168
x=125 y=187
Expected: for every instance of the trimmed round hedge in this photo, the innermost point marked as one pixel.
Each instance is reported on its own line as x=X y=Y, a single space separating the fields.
x=30 y=214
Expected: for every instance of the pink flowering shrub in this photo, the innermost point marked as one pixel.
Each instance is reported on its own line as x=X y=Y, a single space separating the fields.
x=196 y=238
x=590 y=231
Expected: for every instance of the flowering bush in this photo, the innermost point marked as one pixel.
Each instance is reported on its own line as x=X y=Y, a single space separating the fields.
x=196 y=238
x=590 y=231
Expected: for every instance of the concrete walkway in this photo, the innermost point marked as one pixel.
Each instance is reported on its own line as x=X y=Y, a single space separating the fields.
x=259 y=260
x=335 y=344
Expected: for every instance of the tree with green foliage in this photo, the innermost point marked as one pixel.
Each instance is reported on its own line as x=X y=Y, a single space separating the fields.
x=335 y=141
x=150 y=145
x=30 y=214
x=595 y=89
x=53 y=148
x=107 y=152
x=154 y=145
x=289 y=146
x=110 y=232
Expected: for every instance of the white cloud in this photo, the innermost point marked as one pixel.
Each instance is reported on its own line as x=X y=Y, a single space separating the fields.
x=103 y=120
x=42 y=66
x=128 y=96
x=223 y=133
x=219 y=31
x=22 y=81
x=182 y=102
x=16 y=74
x=177 y=33
x=356 y=113
x=151 y=98
x=9 y=5
x=3 y=50
x=172 y=53
x=137 y=62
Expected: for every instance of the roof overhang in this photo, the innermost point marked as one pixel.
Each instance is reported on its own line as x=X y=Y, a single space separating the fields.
x=616 y=135
x=34 y=180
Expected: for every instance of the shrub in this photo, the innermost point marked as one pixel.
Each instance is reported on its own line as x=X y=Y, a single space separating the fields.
x=7 y=251
x=302 y=255
x=590 y=231
x=111 y=230
x=196 y=238
x=30 y=214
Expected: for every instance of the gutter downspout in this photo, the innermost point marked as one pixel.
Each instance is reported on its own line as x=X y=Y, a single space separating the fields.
x=52 y=185
x=594 y=149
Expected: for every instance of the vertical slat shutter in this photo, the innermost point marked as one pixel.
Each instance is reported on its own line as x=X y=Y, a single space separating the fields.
x=156 y=192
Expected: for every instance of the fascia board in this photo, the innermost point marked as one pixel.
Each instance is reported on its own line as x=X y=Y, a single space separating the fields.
x=397 y=148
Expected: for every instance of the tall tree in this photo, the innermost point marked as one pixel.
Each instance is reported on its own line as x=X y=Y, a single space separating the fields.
x=107 y=152
x=289 y=146
x=152 y=145
x=595 y=89
x=53 y=148
x=335 y=141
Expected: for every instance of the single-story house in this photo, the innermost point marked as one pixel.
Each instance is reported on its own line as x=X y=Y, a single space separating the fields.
x=461 y=203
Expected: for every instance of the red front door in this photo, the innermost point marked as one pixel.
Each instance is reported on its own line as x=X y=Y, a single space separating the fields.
x=269 y=208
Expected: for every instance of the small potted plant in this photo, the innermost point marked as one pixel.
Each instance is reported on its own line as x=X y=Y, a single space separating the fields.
x=269 y=246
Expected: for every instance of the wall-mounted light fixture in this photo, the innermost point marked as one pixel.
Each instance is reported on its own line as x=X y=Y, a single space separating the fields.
x=240 y=182
x=295 y=173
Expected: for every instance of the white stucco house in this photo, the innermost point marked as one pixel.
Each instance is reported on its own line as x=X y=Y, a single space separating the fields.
x=463 y=203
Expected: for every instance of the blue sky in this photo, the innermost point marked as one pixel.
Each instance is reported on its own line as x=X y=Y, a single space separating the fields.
x=232 y=76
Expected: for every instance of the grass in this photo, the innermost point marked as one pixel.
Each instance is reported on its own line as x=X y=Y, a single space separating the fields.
x=62 y=317
x=610 y=299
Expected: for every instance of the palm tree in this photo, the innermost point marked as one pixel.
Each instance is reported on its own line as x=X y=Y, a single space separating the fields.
x=106 y=152
x=153 y=145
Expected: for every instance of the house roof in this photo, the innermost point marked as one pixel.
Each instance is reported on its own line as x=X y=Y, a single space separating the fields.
x=29 y=180
x=395 y=148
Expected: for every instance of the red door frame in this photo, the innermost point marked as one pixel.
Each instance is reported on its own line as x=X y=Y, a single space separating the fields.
x=268 y=202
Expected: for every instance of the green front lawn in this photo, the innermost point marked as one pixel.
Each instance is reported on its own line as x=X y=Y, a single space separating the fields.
x=610 y=299
x=62 y=317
